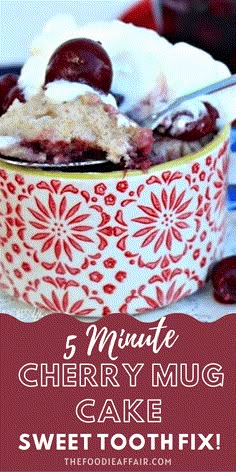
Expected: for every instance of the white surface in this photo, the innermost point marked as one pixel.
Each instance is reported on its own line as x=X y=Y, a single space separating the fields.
x=201 y=305
x=33 y=14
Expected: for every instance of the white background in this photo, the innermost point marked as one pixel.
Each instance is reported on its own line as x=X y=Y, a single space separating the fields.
x=21 y=20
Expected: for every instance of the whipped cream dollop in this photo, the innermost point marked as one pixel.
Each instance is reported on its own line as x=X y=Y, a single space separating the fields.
x=65 y=91
x=148 y=71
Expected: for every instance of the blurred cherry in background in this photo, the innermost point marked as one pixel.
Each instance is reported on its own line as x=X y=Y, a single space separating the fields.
x=207 y=24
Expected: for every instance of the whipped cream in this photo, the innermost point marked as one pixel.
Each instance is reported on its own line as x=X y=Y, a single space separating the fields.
x=148 y=71
x=65 y=91
x=135 y=74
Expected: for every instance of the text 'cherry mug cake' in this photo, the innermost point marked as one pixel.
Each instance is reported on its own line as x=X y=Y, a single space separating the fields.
x=139 y=228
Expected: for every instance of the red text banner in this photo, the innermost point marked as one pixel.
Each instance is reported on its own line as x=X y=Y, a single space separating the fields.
x=118 y=394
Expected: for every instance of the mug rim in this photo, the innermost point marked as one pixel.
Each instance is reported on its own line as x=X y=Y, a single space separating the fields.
x=63 y=175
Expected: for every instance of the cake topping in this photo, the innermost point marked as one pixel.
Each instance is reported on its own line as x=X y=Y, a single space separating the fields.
x=81 y=60
x=145 y=78
x=85 y=89
x=191 y=124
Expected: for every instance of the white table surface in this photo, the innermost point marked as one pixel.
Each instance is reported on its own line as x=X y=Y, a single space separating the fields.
x=201 y=305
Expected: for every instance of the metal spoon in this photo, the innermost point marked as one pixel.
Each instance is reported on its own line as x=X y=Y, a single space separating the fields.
x=153 y=120
x=51 y=165
x=150 y=122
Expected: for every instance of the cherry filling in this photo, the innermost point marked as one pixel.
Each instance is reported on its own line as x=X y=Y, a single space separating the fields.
x=223 y=278
x=63 y=152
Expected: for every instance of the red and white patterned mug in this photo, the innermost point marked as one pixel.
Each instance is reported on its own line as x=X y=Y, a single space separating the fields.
x=94 y=244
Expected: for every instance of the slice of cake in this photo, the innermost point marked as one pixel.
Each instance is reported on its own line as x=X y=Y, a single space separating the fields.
x=85 y=128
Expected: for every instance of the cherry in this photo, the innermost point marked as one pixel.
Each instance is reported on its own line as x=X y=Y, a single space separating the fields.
x=223 y=278
x=206 y=124
x=7 y=82
x=195 y=129
x=14 y=92
x=81 y=60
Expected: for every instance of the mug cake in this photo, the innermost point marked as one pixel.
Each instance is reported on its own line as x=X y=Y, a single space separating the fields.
x=140 y=229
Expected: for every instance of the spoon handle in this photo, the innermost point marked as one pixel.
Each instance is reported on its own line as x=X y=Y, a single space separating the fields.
x=222 y=84
x=152 y=120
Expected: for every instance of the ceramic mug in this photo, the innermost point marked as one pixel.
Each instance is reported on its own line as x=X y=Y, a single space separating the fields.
x=98 y=243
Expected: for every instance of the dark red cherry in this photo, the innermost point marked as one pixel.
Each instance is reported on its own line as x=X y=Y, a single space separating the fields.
x=15 y=92
x=7 y=82
x=81 y=60
x=206 y=124
x=223 y=278
x=195 y=129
